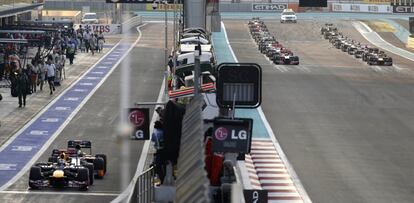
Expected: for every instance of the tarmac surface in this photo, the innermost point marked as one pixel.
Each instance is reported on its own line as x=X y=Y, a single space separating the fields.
x=345 y=127
x=97 y=122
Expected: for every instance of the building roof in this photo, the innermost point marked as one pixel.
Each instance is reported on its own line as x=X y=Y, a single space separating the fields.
x=17 y=8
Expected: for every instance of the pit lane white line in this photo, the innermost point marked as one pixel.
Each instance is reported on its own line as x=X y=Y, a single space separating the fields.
x=27 y=192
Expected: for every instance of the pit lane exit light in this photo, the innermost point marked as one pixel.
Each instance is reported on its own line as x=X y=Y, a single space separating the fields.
x=241 y=82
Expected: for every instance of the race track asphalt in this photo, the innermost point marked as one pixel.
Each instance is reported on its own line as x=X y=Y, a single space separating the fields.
x=97 y=122
x=345 y=127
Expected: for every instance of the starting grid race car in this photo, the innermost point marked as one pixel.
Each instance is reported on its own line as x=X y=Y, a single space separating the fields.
x=372 y=56
x=69 y=168
x=269 y=46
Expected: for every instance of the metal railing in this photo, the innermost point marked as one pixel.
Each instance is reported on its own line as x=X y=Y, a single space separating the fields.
x=142 y=188
x=131 y=23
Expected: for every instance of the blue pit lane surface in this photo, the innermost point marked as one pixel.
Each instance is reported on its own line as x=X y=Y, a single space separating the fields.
x=26 y=143
x=223 y=54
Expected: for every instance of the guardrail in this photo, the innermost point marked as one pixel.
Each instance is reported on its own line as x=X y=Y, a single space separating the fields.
x=131 y=23
x=140 y=189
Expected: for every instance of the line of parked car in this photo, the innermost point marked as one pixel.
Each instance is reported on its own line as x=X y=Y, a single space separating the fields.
x=371 y=55
x=269 y=46
x=191 y=39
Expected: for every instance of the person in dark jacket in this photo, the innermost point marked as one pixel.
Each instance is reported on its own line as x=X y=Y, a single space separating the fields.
x=21 y=87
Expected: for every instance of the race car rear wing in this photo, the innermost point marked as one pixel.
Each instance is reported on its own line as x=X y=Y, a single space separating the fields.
x=81 y=143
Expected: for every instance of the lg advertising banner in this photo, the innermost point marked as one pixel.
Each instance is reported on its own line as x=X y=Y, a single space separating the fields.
x=110 y=29
x=139 y=118
x=361 y=8
x=232 y=135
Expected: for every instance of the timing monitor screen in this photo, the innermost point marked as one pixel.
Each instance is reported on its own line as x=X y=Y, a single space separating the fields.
x=313 y=3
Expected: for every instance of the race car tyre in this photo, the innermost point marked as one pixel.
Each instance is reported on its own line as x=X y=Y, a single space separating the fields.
x=103 y=156
x=83 y=176
x=53 y=159
x=99 y=166
x=89 y=166
x=35 y=174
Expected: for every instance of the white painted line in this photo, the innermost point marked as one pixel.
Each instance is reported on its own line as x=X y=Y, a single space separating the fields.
x=376 y=69
x=39 y=132
x=92 y=78
x=259 y=169
x=23 y=148
x=53 y=137
x=272 y=136
x=262 y=156
x=304 y=68
x=268 y=175
x=253 y=152
x=258 y=165
x=281 y=68
x=27 y=192
x=398 y=68
x=283 y=194
x=276 y=181
x=86 y=84
x=62 y=108
x=71 y=99
x=102 y=67
x=8 y=167
x=265 y=147
x=285 y=201
x=98 y=72
x=279 y=188
x=79 y=90
x=50 y=120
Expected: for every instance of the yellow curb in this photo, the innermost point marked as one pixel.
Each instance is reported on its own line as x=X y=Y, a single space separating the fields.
x=380 y=26
x=410 y=42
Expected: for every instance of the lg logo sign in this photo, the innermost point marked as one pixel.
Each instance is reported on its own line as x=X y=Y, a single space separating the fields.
x=222 y=133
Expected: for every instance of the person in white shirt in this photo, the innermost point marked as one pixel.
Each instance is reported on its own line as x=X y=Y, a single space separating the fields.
x=50 y=69
x=87 y=40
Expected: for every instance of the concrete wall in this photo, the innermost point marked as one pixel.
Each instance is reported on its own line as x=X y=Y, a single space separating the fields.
x=194 y=13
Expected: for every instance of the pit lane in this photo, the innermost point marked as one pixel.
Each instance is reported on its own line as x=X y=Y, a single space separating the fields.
x=344 y=126
x=97 y=121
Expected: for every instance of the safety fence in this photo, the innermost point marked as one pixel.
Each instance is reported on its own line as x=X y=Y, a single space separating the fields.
x=140 y=189
x=131 y=23
x=144 y=187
